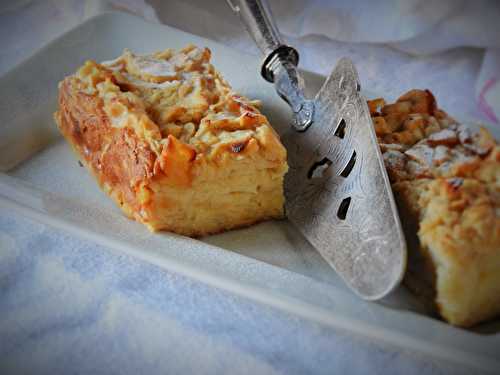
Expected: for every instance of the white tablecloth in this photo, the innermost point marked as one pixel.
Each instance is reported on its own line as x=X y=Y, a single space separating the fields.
x=69 y=306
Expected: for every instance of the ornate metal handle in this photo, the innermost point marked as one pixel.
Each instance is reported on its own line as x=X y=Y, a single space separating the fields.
x=280 y=64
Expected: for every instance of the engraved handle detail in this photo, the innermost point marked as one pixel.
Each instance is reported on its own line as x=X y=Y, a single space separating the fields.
x=280 y=64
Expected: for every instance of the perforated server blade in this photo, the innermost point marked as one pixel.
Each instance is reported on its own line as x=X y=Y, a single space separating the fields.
x=337 y=190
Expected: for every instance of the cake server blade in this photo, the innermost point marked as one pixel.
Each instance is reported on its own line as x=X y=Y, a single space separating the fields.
x=337 y=190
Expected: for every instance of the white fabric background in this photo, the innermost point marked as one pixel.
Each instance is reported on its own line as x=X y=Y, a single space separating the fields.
x=69 y=306
x=450 y=46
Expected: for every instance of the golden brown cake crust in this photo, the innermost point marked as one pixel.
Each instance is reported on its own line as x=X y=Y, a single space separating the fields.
x=446 y=182
x=172 y=144
x=115 y=156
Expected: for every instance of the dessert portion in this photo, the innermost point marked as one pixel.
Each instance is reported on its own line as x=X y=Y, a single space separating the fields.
x=167 y=138
x=446 y=182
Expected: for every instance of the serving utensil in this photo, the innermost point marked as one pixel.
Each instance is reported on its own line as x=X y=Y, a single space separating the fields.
x=337 y=189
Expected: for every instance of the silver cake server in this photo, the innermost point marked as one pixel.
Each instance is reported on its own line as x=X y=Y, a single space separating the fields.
x=337 y=190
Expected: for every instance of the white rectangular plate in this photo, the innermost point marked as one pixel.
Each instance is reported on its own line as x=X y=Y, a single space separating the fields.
x=269 y=263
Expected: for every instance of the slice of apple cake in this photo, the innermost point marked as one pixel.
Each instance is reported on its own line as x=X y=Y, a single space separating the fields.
x=167 y=138
x=446 y=181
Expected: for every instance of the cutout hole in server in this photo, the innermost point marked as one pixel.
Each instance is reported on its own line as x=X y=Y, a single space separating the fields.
x=343 y=208
x=350 y=165
x=318 y=169
x=340 y=131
